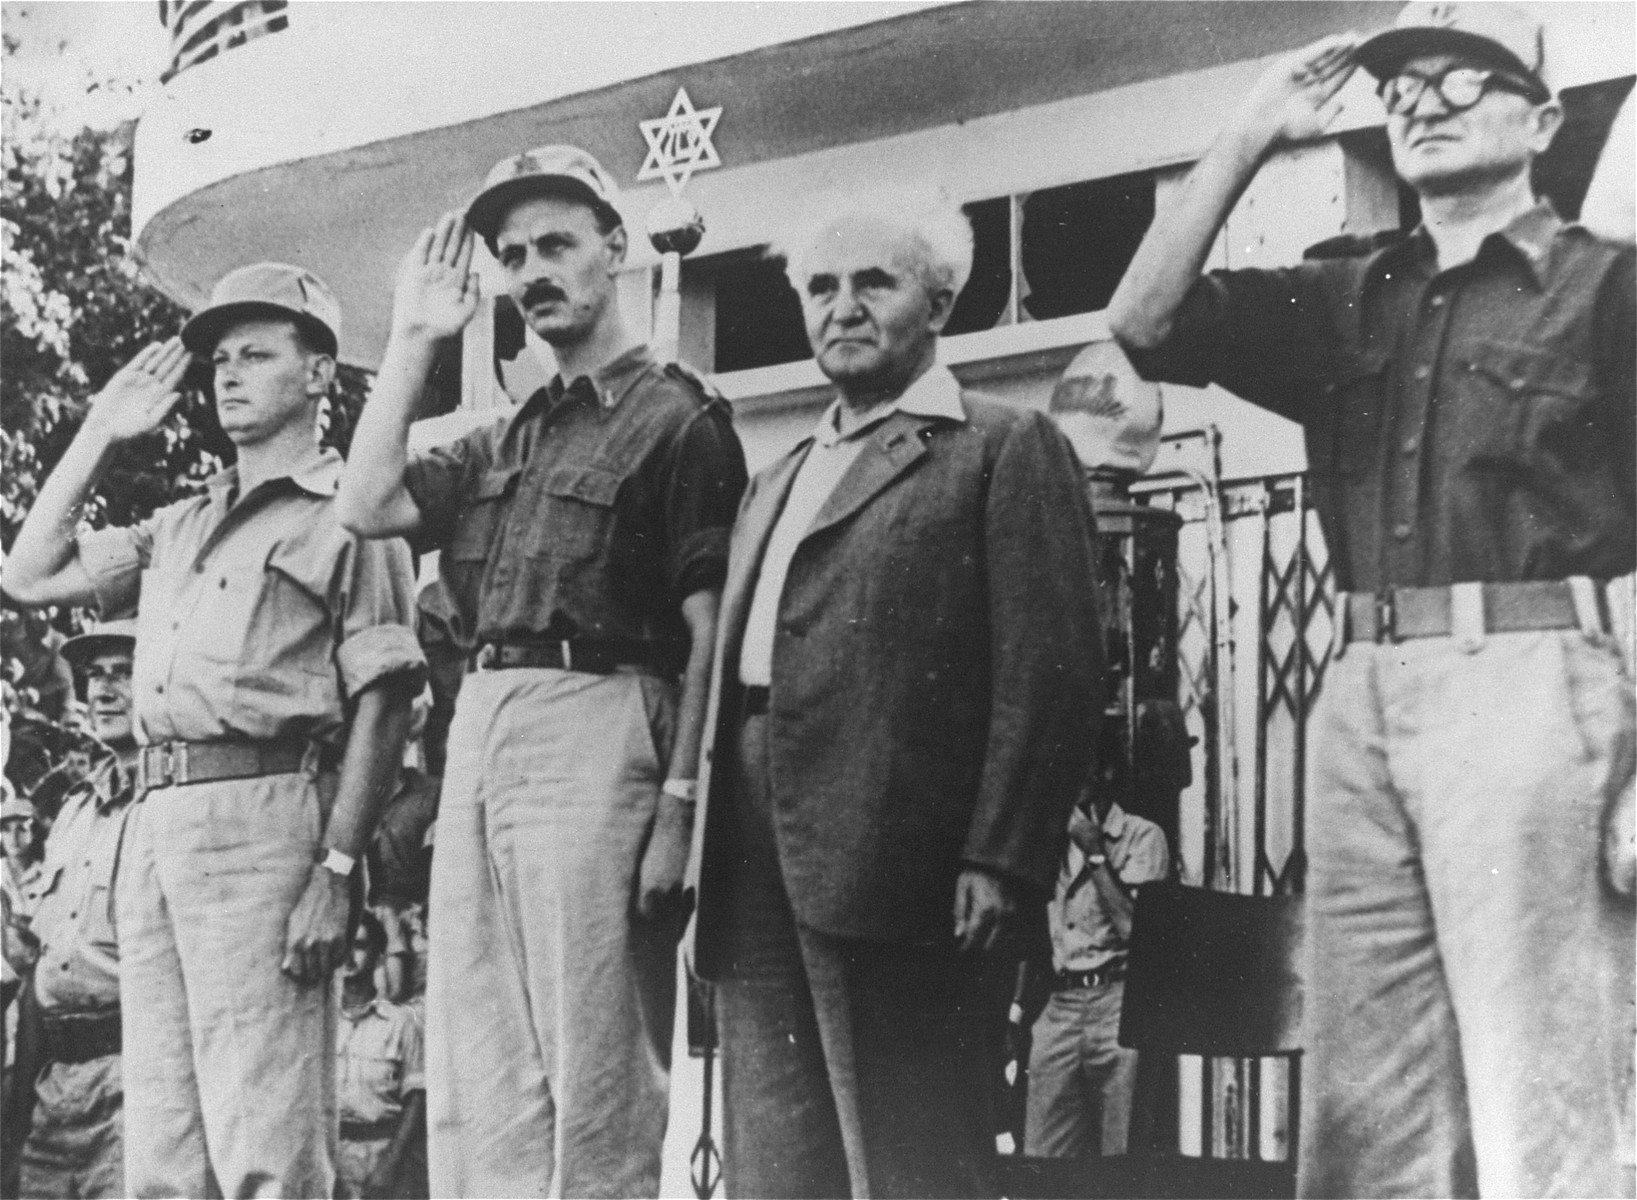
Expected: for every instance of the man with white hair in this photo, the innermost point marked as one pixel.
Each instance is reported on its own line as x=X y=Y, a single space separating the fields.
x=906 y=692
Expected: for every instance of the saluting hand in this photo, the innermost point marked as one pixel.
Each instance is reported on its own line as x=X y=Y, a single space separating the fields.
x=437 y=291
x=1295 y=99
x=141 y=394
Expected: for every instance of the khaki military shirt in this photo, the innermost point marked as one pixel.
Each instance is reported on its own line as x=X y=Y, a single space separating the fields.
x=260 y=617
x=78 y=969
x=379 y=1060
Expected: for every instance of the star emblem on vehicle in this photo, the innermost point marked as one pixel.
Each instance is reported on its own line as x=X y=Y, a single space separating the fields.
x=679 y=143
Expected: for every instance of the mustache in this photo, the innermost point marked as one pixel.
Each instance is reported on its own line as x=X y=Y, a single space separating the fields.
x=537 y=292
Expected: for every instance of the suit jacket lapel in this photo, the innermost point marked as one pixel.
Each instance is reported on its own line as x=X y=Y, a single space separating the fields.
x=891 y=450
x=750 y=535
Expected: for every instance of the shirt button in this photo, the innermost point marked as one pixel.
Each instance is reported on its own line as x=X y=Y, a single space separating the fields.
x=160 y=688
x=1411 y=445
x=1423 y=372
x=1437 y=302
x=1403 y=530
x=222 y=582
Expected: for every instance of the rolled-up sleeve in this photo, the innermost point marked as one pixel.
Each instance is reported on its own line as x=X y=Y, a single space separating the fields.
x=437 y=481
x=1149 y=861
x=115 y=559
x=706 y=480
x=376 y=616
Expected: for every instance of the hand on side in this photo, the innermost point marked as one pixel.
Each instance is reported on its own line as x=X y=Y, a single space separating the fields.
x=984 y=903
x=315 y=939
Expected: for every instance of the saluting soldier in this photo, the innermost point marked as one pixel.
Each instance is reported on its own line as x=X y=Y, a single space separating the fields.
x=583 y=542
x=272 y=646
x=1468 y=398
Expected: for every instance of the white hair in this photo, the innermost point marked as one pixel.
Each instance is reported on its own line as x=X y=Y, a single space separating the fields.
x=938 y=229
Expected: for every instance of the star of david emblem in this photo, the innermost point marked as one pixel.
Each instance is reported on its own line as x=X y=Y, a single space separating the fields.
x=679 y=143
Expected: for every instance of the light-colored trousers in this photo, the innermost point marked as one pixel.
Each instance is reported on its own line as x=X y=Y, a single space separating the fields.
x=73 y=1147
x=1468 y=1006
x=229 y=1062
x=1081 y=1079
x=549 y=1002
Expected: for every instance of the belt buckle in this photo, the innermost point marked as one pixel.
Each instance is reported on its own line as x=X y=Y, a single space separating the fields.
x=1386 y=616
x=566 y=649
x=154 y=767
x=486 y=655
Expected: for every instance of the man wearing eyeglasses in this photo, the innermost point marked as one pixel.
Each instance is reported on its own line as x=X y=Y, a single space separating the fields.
x=1467 y=398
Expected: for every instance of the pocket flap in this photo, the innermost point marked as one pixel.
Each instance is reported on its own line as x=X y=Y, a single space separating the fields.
x=1524 y=369
x=590 y=485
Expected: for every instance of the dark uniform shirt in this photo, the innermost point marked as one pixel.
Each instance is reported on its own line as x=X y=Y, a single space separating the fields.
x=1473 y=424
x=592 y=511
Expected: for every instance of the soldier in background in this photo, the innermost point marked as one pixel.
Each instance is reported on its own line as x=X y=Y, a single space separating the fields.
x=275 y=665
x=69 y=1074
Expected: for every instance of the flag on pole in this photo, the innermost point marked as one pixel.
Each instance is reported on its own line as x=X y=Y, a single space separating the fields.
x=202 y=29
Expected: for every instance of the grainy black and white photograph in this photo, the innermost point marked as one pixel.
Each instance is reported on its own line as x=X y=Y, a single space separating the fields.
x=818 y=599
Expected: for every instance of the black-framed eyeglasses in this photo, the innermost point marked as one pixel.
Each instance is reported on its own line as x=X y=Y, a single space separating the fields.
x=1458 y=87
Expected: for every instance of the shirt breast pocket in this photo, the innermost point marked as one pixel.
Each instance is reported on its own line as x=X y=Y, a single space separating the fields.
x=1531 y=403
x=478 y=527
x=219 y=627
x=1345 y=432
x=579 y=513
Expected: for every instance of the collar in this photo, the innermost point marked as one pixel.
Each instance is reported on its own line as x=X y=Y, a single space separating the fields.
x=1114 y=823
x=610 y=382
x=319 y=477
x=937 y=394
x=1530 y=235
x=371 y=1009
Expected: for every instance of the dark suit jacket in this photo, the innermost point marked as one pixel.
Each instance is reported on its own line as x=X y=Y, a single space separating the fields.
x=936 y=675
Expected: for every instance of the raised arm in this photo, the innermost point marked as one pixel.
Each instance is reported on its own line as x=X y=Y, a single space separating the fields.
x=435 y=296
x=1293 y=101
x=44 y=566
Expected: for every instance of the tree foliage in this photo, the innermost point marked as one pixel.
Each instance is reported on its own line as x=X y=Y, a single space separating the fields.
x=73 y=309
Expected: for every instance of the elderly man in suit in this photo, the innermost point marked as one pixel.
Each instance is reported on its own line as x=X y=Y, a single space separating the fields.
x=906 y=696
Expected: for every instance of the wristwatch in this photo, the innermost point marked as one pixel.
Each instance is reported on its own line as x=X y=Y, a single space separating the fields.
x=338 y=862
x=685 y=790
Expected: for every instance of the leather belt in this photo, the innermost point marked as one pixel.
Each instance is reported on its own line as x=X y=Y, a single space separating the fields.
x=593 y=655
x=369 y=1131
x=1069 y=981
x=757 y=700
x=176 y=764
x=1398 y=614
x=80 y=1038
